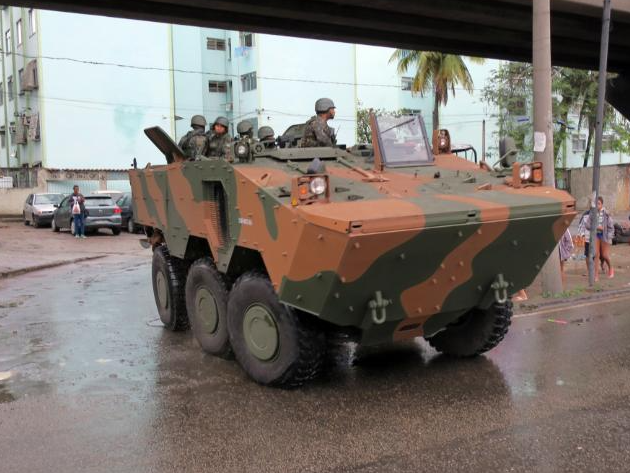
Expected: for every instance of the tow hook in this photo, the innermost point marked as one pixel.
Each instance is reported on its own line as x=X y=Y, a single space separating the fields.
x=378 y=307
x=500 y=287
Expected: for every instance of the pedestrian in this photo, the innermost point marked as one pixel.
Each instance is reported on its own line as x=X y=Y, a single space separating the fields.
x=219 y=138
x=317 y=133
x=605 y=232
x=77 y=208
x=566 y=250
x=195 y=143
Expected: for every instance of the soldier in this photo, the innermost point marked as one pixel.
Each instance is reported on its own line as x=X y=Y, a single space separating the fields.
x=317 y=132
x=219 y=137
x=195 y=142
x=267 y=137
x=245 y=129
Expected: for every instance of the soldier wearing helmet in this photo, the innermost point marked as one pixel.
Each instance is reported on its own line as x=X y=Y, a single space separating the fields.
x=317 y=133
x=245 y=129
x=195 y=143
x=267 y=137
x=219 y=138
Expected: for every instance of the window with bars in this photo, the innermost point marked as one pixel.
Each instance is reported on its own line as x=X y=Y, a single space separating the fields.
x=7 y=41
x=217 y=86
x=246 y=39
x=10 y=88
x=1 y=94
x=215 y=44
x=578 y=143
x=31 y=21
x=248 y=81
x=18 y=32
x=406 y=83
x=21 y=81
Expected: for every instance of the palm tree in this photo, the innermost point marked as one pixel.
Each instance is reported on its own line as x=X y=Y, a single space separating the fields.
x=437 y=72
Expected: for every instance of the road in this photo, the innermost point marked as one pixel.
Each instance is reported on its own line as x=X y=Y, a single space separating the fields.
x=90 y=382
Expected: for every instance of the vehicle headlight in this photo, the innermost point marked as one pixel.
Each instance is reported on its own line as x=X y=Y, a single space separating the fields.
x=318 y=185
x=525 y=172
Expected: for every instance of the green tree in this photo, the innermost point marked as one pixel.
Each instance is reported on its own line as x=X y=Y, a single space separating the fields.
x=435 y=72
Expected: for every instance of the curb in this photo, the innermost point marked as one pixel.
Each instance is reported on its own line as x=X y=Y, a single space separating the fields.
x=599 y=296
x=30 y=269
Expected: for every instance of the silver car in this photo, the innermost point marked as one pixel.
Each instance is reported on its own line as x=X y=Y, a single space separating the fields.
x=100 y=212
x=39 y=208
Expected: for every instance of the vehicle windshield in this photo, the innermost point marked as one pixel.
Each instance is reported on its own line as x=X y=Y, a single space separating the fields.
x=51 y=199
x=403 y=141
x=99 y=202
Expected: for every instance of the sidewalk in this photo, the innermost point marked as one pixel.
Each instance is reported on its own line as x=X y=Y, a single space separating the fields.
x=24 y=248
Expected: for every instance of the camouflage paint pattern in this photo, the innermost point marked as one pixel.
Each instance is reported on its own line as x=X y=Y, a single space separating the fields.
x=431 y=243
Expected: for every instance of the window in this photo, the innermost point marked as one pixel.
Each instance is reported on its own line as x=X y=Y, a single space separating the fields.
x=31 y=21
x=18 y=32
x=10 y=88
x=1 y=94
x=248 y=81
x=21 y=81
x=406 y=83
x=578 y=143
x=246 y=39
x=3 y=136
x=217 y=86
x=28 y=77
x=607 y=143
x=215 y=44
x=7 y=41
x=229 y=49
x=12 y=131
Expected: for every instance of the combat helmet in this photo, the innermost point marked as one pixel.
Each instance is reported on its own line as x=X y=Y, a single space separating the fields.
x=265 y=132
x=198 y=120
x=244 y=128
x=222 y=121
x=323 y=105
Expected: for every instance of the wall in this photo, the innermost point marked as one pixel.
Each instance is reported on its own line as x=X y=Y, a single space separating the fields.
x=95 y=114
x=614 y=186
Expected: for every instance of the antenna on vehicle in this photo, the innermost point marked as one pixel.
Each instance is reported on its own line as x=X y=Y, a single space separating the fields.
x=378 y=160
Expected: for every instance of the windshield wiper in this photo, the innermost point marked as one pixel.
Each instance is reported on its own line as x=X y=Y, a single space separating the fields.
x=399 y=125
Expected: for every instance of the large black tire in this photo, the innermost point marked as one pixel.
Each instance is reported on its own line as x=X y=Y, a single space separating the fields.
x=116 y=230
x=168 y=275
x=206 y=303
x=299 y=347
x=475 y=332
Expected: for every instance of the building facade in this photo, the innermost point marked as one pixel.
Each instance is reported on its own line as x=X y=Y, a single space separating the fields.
x=76 y=91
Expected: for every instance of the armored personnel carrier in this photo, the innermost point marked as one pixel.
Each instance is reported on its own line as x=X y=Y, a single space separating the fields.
x=267 y=253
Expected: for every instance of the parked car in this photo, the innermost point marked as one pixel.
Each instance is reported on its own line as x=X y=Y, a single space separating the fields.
x=101 y=212
x=39 y=208
x=126 y=207
x=114 y=194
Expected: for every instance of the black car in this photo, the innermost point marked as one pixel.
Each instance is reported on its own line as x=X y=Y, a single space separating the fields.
x=100 y=212
x=125 y=203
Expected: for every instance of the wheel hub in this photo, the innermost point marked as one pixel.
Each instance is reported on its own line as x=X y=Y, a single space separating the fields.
x=260 y=332
x=162 y=290
x=206 y=310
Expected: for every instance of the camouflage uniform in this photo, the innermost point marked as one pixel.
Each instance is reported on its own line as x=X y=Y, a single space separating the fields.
x=217 y=144
x=317 y=134
x=195 y=143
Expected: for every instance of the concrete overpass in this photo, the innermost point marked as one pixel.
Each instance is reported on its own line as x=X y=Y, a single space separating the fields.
x=500 y=29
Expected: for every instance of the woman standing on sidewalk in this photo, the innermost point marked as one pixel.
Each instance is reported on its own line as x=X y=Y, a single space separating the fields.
x=603 y=238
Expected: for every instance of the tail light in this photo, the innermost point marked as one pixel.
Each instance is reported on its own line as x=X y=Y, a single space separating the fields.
x=117 y=210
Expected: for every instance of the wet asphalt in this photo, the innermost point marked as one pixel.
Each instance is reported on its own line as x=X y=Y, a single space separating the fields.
x=90 y=382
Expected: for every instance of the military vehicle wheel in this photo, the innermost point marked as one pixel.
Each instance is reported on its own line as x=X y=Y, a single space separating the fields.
x=168 y=275
x=475 y=332
x=206 y=301
x=273 y=343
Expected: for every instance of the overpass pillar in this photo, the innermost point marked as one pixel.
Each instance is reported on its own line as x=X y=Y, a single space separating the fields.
x=543 y=123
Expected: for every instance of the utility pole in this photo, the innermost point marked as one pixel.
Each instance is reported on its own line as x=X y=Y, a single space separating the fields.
x=599 y=131
x=543 y=127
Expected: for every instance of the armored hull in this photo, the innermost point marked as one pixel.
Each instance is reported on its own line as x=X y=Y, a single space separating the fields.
x=394 y=253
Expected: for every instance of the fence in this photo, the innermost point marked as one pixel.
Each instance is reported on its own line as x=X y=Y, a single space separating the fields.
x=20 y=178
